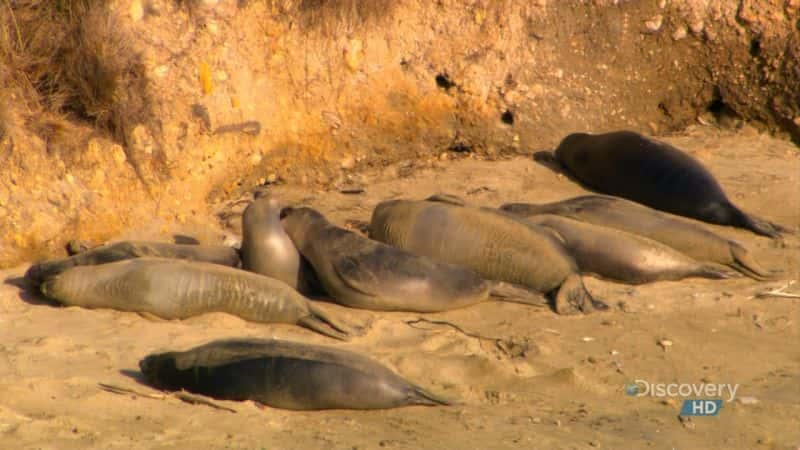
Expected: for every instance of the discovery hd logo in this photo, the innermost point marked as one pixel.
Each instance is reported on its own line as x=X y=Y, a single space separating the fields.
x=708 y=406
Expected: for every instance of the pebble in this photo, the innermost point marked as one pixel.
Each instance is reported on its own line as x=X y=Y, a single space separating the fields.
x=748 y=400
x=679 y=33
x=654 y=24
x=348 y=162
x=664 y=343
x=587 y=339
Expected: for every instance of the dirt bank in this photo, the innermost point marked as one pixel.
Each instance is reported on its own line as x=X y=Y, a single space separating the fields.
x=122 y=114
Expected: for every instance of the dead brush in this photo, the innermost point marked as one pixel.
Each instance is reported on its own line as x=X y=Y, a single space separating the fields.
x=331 y=17
x=70 y=59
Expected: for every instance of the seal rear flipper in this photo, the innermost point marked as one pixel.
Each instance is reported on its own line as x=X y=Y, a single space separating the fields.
x=315 y=324
x=714 y=272
x=450 y=199
x=756 y=225
x=512 y=293
x=573 y=298
x=744 y=262
x=333 y=322
x=419 y=396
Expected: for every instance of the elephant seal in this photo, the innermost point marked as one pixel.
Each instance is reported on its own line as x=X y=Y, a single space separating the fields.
x=268 y=250
x=178 y=289
x=118 y=251
x=495 y=245
x=653 y=173
x=285 y=375
x=689 y=238
x=362 y=273
x=621 y=256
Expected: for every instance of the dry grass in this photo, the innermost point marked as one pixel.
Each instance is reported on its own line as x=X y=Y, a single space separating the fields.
x=68 y=61
x=333 y=17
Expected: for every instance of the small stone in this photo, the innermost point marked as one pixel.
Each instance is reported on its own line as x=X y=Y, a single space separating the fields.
x=664 y=343
x=591 y=360
x=255 y=159
x=443 y=156
x=594 y=443
x=587 y=339
x=697 y=27
x=136 y=10
x=271 y=178
x=748 y=400
x=348 y=162
x=679 y=33
x=161 y=71
x=654 y=24
x=614 y=352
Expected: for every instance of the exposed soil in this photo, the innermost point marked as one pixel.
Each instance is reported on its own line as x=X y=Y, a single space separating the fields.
x=535 y=379
x=118 y=113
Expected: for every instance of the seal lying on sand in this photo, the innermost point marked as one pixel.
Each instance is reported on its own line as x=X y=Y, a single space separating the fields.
x=493 y=244
x=689 y=238
x=283 y=374
x=622 y=256
x=361 y=273
x=653 y=173
x=268 y=250
x=175 y=289
x=217 y=254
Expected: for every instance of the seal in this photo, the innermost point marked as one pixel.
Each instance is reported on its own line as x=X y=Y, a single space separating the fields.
x=653 y=173
x=268 y=250
x=118 y=251
x=621 y=256
x=361 y=273
x=493 y=244
x=284 y=374
x=687 y=237
x=178 y=289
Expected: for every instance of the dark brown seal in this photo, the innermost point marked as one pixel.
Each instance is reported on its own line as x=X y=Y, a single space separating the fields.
x=653 y=173
x=284 y=374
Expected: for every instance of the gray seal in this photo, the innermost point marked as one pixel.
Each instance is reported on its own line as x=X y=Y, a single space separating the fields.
x=621 y=256
x=689 y=238
x=653 y=173
x=493 y=244
x=362 y=273
x=285 y=375
x=268 y=250
x=177 y=289
x=118 y=251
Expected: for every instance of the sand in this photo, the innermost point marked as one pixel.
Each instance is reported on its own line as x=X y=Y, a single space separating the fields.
x=524 y=377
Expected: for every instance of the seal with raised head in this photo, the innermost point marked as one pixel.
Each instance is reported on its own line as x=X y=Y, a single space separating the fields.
x=689 y=238
x=118 y=251
x=622 y=256
x=653 y=173
x=268 y=250
x=362 y=273
x=284 y=374
x=178 y=289
x=493 y=244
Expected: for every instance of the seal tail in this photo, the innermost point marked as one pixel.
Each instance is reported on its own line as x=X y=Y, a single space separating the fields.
x=419 y=396
x=573 y=298
x=744 y=262
x=511 y=293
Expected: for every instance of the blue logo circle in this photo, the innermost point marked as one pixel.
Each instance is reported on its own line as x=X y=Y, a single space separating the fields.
x=631 y=389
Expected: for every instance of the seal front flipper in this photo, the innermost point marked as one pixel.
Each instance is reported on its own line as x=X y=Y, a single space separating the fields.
x=512 y=293
x=356 y=276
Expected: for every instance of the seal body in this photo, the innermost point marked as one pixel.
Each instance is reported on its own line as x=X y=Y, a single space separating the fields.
x=118 y=251
x=689 y=238
x=362 y=273
x=493 y=244
x=176 y=289
x=622 y=256
x=268 y=250
x=653 y=173
x=285 y=375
